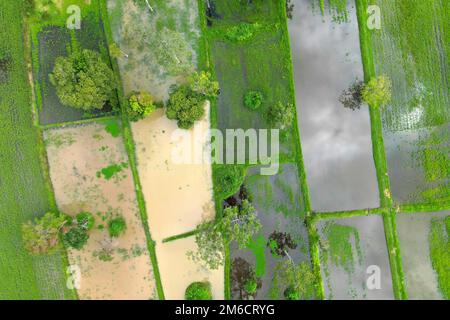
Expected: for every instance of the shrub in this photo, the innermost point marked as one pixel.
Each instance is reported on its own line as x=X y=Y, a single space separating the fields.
x=228 y=179
x=242 y=32
x=185 y=106
x=85 y=220
x=42 y=9
x=199 y=291
x=83 y=80
x=140 y=105
x=377 y=92
x=117 y=226
x=201 y=83
x=42 y=235
x=76 y=238
x=281 y=115
x=291 y=294
x=253 y=99
x=280 y=242
x=251 y=286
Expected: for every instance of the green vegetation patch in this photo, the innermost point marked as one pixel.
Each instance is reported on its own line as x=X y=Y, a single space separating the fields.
x=440 y=253
x=25 y=185
x=112 y=171
x=258 y=247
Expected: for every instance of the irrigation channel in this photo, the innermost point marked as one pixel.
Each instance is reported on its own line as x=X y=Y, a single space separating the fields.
x=336 y=142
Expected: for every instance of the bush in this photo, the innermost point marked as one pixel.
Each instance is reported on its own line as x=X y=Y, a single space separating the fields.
x=251 y=286
x=253 y=99
x=281 y=115
x=42 y=9
x=140 y=105
x=228 y=178
x=242 y=32
x=85 y=220
x=117 y=226
x=378 y=91
x=42 y=235
x=83 y=80
x=199 y=291
x=201 y=83
x=291 y=294
x=76 y=237
x=185 y=106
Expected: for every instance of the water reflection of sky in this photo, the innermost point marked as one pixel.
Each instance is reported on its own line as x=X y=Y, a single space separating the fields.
x=336 y=142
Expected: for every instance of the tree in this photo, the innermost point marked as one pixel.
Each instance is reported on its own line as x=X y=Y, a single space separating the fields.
x=244 y=281
x=253 y=99
x=42 y=235
x=299 y=280
x=280 y=242
x=238 y=223
x=140 y=106
x=198 y=291
x=202 y=84
x=281 y=115
x=378 y=91
x=85 y=220
x=76 y=237
x=351 y=98
x=83 y=80
x=117 y=226
x=185 y=106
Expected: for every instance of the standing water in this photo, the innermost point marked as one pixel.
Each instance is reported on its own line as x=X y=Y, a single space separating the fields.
x=336 y=142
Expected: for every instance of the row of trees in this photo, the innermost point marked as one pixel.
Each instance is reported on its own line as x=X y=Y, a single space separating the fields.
x=47 y=234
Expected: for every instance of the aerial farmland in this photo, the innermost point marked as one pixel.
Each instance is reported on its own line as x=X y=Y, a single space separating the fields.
x=224 y=150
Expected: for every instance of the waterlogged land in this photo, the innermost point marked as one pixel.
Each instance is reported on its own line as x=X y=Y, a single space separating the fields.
x=425 y=253
x=412 y=49
x=336 y=142
x=90 y=173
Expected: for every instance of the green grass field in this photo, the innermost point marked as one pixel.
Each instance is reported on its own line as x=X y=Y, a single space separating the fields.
x=25 y=190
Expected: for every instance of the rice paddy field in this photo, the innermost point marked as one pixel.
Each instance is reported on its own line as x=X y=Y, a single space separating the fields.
x=413 y=50
x=351 y=185
x=51 y=39
x=26 y=193
x=426 y=253
x=90 y=172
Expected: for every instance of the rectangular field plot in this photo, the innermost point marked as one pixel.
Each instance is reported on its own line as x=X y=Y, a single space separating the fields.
x=52 y=39
x=425 y=248
x=354 y=259
x=277 y=200
x=178 y=194
x=412 y=48
x=142 y=35
x=23 y=181
x=336 y=141
x=89 y=170
x=178 y=271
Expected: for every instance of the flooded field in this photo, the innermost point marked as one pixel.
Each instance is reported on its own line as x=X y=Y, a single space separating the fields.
x=277 y=200
x=178 y=195
x=178 y=271
x=424 y=255
x=336 y=142
x=349 y=249
x=146 y=64
x=89 y=171
x=411 y=48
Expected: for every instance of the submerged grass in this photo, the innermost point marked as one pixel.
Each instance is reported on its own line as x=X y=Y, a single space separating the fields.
x=440 y=253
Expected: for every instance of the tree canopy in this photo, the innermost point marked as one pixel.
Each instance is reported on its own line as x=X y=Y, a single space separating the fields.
x=42 y=235
x=83 y=80
x=239 y=223
x=202 y=84
x=185 y=106
x=378 y=91
x=140 y=106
